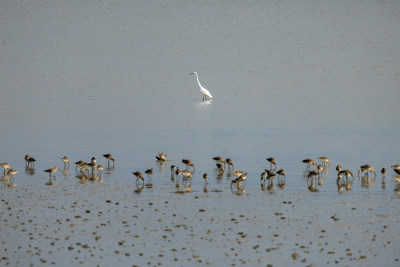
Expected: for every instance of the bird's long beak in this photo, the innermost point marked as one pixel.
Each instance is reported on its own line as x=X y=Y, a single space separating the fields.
x=191 y=73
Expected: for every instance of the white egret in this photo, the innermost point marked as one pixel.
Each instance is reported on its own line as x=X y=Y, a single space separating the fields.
x=203 y=90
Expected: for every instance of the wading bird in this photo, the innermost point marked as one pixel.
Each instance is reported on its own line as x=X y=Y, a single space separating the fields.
x=365 y=169
x=239 y=181
x=271 y=162
x=30 y=160
x=109 y=157
x=138 y=175
x=205 y=93
x=51 y=171
x=5 y=166
x=66 y=161
x=309 y=162
x=230 y=163
x=188 y=163
x=324 y=160
x=161 y=156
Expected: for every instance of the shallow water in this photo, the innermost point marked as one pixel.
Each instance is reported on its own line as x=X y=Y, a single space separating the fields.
x=289 y=80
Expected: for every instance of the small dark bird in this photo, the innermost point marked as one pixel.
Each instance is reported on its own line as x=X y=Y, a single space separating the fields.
x=309 y=162
x=237 y=173
x=177 y=171
x=219 y=159
x=109 y=157
x=149 y=172
x=239 y=181
x=51 y=171
x=5 y=166
x=365 y=169
x=230 y=162
x=383 y=171
x=188 y=163
x=281 y=172
x=221 y=168
x=186 y=174
x=271 y=162
x=205 y=177
x=348 y=173
x=138 y=175
x=312 y=174
x=30 y=160
x=173 y=168
x=324 y=160
x=161 y=156
x=65 y=160
x=395 y=166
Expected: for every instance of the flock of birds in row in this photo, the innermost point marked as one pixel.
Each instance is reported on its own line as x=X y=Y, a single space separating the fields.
x=93 y=171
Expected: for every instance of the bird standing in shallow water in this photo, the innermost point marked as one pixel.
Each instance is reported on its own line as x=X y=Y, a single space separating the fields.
x=149 y=172
x=230 y=163
x=324 y=160
x=365 y=169
x=173 y=168
x=185 y=174
x=221 y=168
x=65 y=160
x=109 y=157
x=309 y=162
x=395 y=167
x=138 y=175
x=5 y=166
x=237 y=173
x=205 y=93
x=219 y=160
x=271 y=162
x=239 y=181
x=188 y=163
x=281 y=172
x=338 y=168
x=205 y=177
x=51 y=171
x=11 y=172
x=30 y=160
x=161 y=156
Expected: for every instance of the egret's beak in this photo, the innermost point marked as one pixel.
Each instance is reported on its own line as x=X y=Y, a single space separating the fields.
x=191 y=73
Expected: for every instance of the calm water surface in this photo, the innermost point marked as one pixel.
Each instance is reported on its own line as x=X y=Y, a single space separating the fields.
x=290 y=80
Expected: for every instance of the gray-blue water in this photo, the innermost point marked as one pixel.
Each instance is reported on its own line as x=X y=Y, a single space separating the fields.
x=290 y=80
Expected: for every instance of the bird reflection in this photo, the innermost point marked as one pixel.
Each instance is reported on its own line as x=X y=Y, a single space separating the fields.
x=139 y=188
x=366 y=181
x=29 y=170
x=397 y=190
x=311 y=186
x=65 y=172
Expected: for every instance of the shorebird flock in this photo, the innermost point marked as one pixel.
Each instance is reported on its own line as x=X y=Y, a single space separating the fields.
x=93 y=171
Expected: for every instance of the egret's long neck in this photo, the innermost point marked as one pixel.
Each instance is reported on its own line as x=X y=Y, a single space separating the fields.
x=198 y=80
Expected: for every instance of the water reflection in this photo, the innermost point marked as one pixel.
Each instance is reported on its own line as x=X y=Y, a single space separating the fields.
x=344 y=184
x=29 y=170
x=65 y=172
x=204 y=104
x=311 y=185
x=269 y=187
x=383 y=183
x=139 y=189
x=52 y=181
x=6 y=177
x=397 y=188
x=110 y=169
x=366 y=181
